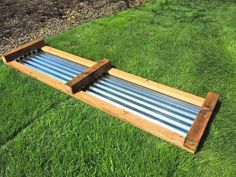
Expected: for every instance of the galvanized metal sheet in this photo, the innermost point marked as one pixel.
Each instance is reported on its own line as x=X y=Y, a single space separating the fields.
x=158 y=108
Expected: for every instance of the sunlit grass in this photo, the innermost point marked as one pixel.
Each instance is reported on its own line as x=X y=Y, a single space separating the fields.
x=189 y=45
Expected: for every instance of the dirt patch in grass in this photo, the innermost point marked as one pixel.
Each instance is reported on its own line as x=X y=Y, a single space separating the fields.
x=23 y=20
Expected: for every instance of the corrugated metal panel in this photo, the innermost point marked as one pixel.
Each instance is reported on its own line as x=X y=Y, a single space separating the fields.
x=166 y=111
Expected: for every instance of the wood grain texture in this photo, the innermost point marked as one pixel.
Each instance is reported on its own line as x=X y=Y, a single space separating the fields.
x=36 y=75
x=178 y=94
x=88 y=77
x=68 y=56
x=22 y=50
x=195 y=134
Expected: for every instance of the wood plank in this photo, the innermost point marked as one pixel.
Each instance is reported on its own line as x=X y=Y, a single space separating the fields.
x=195 y=134
x=120 y=113
x=187 y=97
x=36 y=75
x=22 y=50
x=68 y=56
x=88 y=77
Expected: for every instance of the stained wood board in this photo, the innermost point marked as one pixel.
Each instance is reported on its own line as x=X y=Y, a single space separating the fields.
x=198 y=128
x=89 y=76
x=22 y=50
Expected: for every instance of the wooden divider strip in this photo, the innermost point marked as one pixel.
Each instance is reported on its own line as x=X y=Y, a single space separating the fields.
x=190 y=98
x=89 y=76
x=22 y=50
x=195 y=134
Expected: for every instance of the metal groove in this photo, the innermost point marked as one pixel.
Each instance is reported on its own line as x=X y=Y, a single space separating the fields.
x=63 y=61
x=55 y=76
x=149 y=111
x=64 y=72
x=158 y=108
x=138 y=112
x=60 y=66
x=56 y=73
x=151 y=93
x=153 y=105
x=156 y=99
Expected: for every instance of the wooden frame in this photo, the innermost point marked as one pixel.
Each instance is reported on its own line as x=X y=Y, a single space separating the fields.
x=189 y=143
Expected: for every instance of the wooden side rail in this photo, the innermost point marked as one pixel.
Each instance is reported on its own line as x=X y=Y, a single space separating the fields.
x=88 y=77
x=22 y=50
x=195 y=134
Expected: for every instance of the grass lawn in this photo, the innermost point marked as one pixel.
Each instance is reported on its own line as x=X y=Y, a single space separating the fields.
x=188 y=45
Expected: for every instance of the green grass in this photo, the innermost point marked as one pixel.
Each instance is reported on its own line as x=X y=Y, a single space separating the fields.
x=188 y=45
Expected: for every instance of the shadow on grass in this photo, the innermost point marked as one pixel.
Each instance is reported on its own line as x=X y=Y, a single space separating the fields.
x=207 y=131
x=24 y=126
x=16 y=132
x=187 y=14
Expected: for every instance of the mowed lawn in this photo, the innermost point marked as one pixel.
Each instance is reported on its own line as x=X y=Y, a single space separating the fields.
x=188 y=45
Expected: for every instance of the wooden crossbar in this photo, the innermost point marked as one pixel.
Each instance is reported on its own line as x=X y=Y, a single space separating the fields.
x=75 y=88
x=22 y=50
x=200 y=123
x=89 y=76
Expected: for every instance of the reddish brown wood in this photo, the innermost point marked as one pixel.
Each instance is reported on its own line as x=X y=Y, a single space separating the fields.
x=200 y=123
x=22 y=50
x=88 y=77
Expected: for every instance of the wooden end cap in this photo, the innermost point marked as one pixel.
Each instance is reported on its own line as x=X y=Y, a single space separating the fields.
x=88 y=77
x=195 y=133
x=23 y=49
